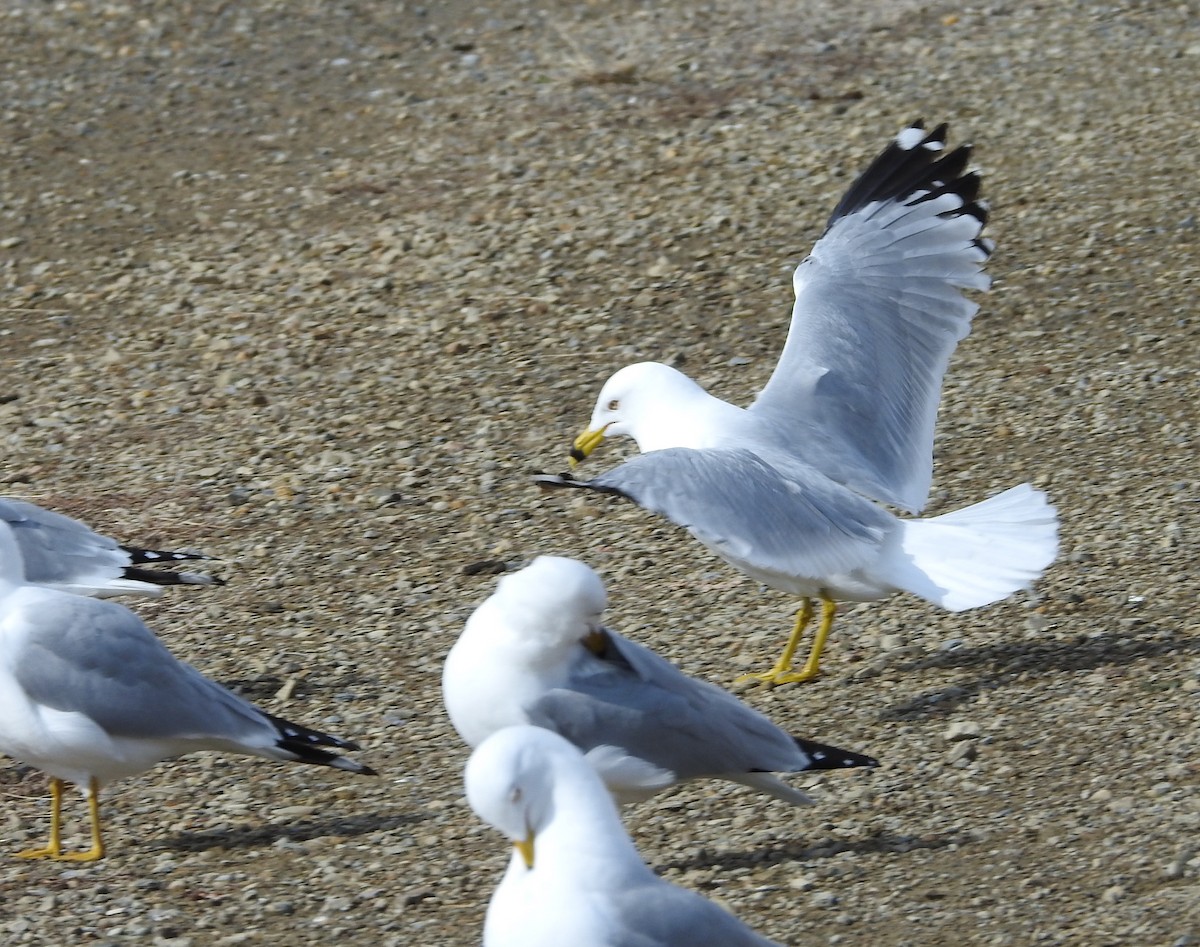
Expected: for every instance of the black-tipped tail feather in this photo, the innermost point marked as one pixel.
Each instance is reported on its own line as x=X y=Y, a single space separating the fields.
x=305 y=744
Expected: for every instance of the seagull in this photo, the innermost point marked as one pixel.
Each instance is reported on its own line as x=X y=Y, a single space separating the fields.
x=575 y=877
x=793 y=491
x=89 y=695
x=535 y=652
x=62 y=553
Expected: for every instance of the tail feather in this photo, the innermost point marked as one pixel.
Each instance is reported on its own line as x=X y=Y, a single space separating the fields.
x=629 y=778
x=772 y=785
x=976 y=555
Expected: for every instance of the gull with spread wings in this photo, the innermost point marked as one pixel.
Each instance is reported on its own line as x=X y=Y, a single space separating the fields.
x=792 y=490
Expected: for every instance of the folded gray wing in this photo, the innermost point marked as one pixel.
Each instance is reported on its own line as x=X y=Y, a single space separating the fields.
x=780 y=517
x=58 y=550
x=97 y=658
x=62 y=553
x=878 y=312
x=629 y=697
x=660 y=914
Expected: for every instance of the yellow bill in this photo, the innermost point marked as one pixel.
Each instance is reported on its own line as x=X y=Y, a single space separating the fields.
x=525 y=847
x=585 y=443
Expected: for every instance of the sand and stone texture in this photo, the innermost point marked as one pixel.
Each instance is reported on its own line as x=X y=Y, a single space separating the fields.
x=315 y=286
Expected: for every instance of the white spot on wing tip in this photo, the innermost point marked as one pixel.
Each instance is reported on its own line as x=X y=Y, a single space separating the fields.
x=910 y=138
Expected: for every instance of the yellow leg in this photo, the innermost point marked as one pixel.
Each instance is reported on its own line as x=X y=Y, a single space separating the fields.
x=810 y=669
x=782 y=672
x=96 y=852
x=53 y=848
x=784 y=664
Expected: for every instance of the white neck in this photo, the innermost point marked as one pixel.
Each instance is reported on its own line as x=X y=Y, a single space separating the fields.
x=586 y=837
x=692 y=418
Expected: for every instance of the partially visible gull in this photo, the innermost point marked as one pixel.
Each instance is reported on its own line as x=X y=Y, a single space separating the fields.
x=575 y=878
x=63 y=553
x=535 y=652
x=88 y=695
x=791 y=490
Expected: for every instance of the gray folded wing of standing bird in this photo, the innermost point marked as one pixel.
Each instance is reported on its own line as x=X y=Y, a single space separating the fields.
x=536 y=653
x=62 y=553
x=88 y=695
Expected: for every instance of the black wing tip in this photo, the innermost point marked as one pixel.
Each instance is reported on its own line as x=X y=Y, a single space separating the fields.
x=140 y=556
x=564 y=479
x=914 y=167
x=304 y=744
x=307 y=736
x=302 y=753
x=558 y=481
x=914 y=135
x=167 y=577
x=823 y=756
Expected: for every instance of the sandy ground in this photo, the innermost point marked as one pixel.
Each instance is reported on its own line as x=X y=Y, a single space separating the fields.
x=316 y=286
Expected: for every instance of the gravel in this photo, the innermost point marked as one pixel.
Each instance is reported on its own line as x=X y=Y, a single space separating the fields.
x=316 y=286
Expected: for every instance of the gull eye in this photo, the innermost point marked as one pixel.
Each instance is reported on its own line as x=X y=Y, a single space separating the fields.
x=614 y=404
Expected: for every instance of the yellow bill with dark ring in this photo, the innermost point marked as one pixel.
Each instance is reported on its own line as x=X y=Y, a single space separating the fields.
x=585 y=443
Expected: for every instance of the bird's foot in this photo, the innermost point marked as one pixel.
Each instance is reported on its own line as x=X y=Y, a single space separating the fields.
x=780 y=675
x=93 y=854
x=57 y=854
x=50 y=851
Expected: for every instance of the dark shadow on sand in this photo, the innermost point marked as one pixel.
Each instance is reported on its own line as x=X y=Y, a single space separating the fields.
x=1004 y=663
x=268 y=833
x=808 y=851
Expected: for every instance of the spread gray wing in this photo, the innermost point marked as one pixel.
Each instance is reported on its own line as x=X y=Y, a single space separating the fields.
x=631 y=698
x=780 y=517
x=878 y=312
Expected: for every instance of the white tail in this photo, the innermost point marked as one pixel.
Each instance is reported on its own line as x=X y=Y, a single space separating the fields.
x=977 y=555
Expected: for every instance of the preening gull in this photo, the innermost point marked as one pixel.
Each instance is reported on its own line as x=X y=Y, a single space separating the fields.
x=791 y=490
x=62 y=553
x=535 y=652
x=575 y=877
x=88 y=695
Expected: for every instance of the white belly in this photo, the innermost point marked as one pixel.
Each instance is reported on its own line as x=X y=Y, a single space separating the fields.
x=848 y=587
